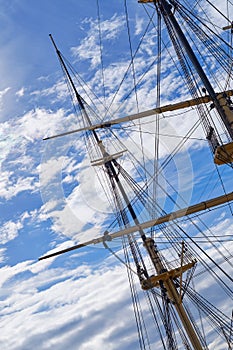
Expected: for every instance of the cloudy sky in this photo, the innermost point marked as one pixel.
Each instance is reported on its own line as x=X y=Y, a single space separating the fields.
x=50 y=198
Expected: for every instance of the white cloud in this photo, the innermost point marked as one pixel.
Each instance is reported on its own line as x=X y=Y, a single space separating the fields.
x=139 y=25
x=9 y=231
x=21 y=149
x=56 y=92
x=10 y=188
x=79 y=214
x=36 y=307
x=39 y=123
x=56 y=306
x=51 y=168
x=21 y=92
x=89 y=47
x=2 y=254
x=2 y=94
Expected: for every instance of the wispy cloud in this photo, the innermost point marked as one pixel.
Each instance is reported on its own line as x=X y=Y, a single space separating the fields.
x=37 y=301
x=21 y=92
x=89 y=47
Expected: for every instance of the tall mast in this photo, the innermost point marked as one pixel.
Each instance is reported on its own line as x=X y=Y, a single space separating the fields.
x=223 y=152
x=77 y=95
x=167 y=284
x=220 y=105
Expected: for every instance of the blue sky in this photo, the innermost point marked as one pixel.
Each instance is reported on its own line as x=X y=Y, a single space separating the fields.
x=49 y=195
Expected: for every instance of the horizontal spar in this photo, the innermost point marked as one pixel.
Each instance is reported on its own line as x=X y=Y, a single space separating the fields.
x=150 y=112
x=81 y=245
x=166 y=218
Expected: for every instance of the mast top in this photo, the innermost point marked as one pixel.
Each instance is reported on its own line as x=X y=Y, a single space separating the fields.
x=54 y=44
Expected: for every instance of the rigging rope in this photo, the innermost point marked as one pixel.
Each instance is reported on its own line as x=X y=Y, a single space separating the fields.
x=101 y=50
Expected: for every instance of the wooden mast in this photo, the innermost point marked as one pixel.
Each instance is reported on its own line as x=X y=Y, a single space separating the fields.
x=164 y=277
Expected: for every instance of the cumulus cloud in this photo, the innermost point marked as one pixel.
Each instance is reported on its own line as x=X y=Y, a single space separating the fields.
x=9 y=231
x=10 y=188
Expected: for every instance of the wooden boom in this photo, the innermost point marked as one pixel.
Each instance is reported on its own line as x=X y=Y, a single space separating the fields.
x=166 y=218
x=159 y=110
